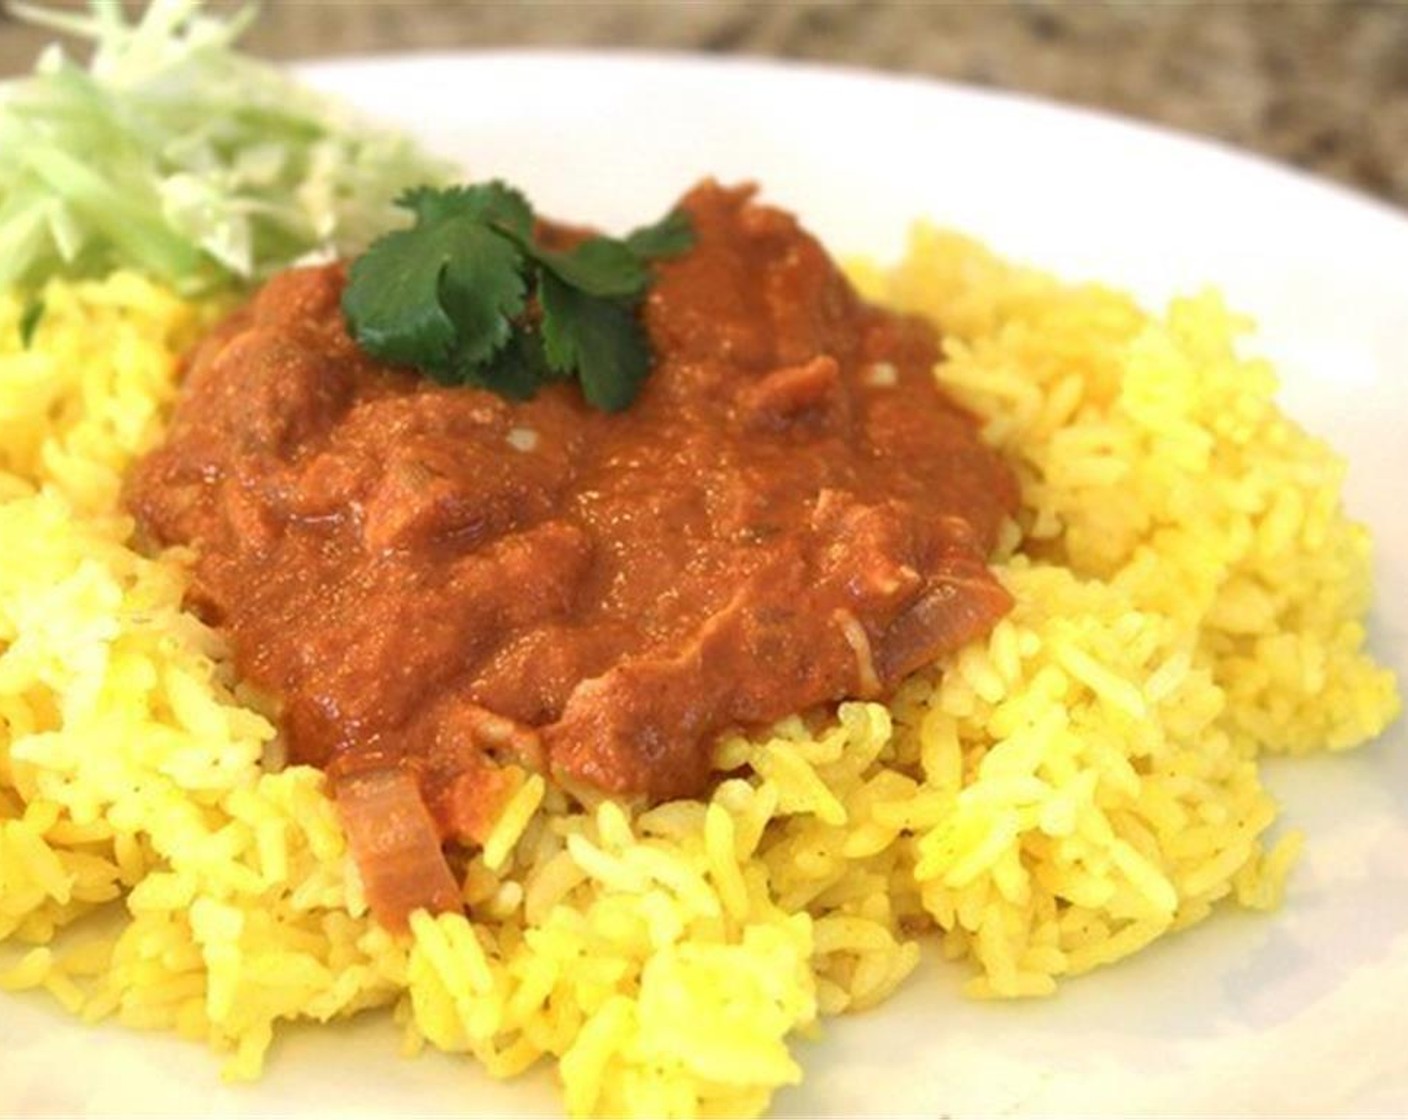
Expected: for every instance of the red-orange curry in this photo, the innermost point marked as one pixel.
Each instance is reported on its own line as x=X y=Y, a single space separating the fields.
x=444 y=589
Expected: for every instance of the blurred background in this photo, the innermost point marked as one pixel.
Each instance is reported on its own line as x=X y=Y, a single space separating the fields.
x=1320 y=84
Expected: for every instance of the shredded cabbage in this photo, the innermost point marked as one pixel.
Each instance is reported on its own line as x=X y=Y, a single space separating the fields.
x=173 y=153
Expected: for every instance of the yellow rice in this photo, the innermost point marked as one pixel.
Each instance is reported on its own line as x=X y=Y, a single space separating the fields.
x=1189 y=594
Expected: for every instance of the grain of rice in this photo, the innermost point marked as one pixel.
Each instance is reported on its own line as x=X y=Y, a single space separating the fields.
x=512 y=821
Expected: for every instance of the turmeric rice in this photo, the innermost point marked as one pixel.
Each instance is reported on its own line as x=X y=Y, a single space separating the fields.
x=1190 y=596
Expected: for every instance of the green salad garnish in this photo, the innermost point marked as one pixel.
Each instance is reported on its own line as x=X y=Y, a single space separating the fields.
x=173 y=153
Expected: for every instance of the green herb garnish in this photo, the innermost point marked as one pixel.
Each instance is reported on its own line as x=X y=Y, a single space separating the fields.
x=467 y=296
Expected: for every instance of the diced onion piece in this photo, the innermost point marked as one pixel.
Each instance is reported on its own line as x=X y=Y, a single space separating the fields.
x=396 y=846
x=868 y=681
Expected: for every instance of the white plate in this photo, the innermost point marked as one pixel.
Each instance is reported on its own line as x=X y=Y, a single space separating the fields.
x=1301 y=1012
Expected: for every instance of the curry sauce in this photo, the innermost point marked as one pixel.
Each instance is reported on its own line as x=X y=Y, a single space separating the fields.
x=444 y=589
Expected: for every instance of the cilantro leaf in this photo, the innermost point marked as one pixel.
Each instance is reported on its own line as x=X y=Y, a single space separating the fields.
x=519 y=370
x=493 y=203
x=598 y=266
x=393 y=299
x=601 y=339
x=670 y=236
x=468 y=296
x=441 y=295
x=481 y=289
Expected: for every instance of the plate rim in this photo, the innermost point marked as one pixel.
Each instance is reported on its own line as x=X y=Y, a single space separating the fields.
x=644 y=60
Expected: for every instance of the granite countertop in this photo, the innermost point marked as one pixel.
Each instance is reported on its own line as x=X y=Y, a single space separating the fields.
x=1321 y=85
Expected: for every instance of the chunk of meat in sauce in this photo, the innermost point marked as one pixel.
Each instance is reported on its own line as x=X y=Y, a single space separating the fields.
x=440 y=584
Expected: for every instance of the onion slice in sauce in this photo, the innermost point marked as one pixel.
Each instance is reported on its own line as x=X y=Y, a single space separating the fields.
x=396 y=845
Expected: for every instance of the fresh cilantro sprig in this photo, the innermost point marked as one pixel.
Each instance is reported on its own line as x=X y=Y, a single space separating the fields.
x=467 y=296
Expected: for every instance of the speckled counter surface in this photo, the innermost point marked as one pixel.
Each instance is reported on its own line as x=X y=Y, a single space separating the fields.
x=1321 y=85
